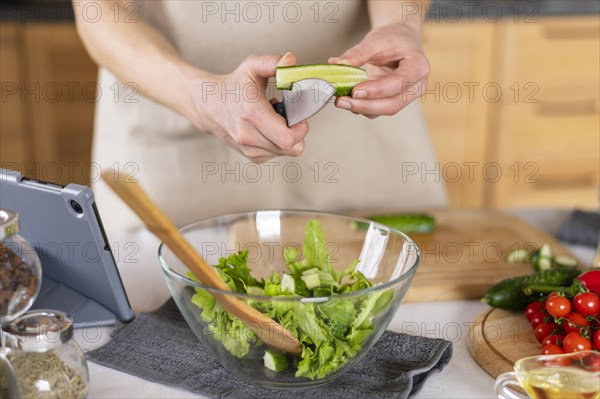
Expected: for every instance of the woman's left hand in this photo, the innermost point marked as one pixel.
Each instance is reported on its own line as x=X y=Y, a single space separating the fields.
x=396 y=66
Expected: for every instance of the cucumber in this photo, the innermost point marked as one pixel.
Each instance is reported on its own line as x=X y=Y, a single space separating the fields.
x=288 y=283
x=312 y=281
x=544 y=261
x=545 y=251
x=405 y=222
x=312 y=270
x=252 y=290
x=275 y=360
x=544 y=264
x=517 y=256
x=509 y=294
x=566 y=260
x=342 y=77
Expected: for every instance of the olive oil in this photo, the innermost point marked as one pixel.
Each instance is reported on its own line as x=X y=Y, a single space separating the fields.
x=561 y=383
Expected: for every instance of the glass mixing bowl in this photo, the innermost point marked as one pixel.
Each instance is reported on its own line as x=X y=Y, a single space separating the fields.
x=387 y=257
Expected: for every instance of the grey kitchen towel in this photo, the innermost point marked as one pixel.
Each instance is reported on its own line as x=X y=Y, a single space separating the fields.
x=581 y=227
x=161 y=347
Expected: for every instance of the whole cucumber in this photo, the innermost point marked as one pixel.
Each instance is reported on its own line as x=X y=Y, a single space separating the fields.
x=405 y=222
x=508 y=294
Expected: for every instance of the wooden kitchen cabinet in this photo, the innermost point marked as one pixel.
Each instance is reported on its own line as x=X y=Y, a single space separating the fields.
x=456 y=114
x=47 y=126
x=536 y=144
x=15 y=140
x=556 y=132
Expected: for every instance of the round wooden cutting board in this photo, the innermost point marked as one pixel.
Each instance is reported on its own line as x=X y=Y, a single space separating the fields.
x=498 y=338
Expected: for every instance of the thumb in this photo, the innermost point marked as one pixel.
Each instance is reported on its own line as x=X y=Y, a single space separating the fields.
x=263 y=66
x=288 y=59
x=357 y=56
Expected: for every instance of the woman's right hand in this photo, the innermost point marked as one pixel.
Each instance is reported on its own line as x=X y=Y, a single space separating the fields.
x=234 y=108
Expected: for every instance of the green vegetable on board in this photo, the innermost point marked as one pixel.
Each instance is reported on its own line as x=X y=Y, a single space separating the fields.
x=515 y=293
x=405 y=222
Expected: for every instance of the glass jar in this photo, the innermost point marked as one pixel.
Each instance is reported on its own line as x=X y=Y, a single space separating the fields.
x=20 y=269
x=46 y=361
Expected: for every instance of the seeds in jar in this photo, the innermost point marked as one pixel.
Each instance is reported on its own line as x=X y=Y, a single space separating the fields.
x=17 y=282
x=60 y=380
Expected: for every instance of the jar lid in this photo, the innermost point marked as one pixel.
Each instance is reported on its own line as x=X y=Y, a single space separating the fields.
x=9 y=223
x=40 y=330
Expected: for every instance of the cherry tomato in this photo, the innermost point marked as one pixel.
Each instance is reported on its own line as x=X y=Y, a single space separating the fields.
x=587 y=303
x=591 y=280
x=574 y=322
x=596 y=340
x=575 y=342
x=592 y=363
x=537 y=319
x=558 y=306
x=534 y=308
x=552 y=349
x=543 y=330
x=554 y=339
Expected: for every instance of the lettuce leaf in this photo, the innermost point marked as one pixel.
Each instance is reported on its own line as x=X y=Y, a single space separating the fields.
x=233 y=333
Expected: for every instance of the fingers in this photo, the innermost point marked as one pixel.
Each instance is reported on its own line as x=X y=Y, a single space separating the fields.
x=411 y=73
x=376 y=107
x=356 y=56
x=262 y=134
x=389 y=94
x=275 y=129
x=390 y=86
x=263 y=129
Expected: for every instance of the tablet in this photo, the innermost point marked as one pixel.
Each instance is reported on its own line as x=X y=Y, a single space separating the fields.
x=62 y=223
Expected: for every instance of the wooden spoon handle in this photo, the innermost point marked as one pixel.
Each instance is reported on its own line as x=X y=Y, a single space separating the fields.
x=160 y=225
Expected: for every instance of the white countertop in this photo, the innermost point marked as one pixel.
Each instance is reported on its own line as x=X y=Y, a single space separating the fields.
x=142 y=277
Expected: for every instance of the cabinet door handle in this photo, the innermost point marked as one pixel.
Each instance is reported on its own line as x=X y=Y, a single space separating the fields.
x=567 y=108
x=571 y=32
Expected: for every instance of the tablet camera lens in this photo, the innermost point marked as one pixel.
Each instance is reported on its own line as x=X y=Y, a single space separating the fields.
x=76 y=207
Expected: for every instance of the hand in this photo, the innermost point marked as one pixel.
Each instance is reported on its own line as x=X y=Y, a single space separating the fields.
x=396 y=66
x=234 y=108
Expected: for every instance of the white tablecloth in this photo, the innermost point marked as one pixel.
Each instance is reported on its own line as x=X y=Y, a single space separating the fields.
x=462 y=377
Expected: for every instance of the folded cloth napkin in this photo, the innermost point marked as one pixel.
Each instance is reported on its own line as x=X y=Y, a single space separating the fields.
x=161 y=347
x=581 y=228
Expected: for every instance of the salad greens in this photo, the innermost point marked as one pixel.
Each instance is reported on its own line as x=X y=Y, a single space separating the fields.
x=331 y=332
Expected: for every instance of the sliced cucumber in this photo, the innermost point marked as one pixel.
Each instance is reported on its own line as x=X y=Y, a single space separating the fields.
x=255 y=290
x=546 y=251
x=275 y=361
x=288 y=283
x=290 y=254
x=566 y=260
x=544 y=261
x=405 y=222
x=517 y=256
x=312 y=270
x=544 y=264
x=312 y=281
x=342 y=77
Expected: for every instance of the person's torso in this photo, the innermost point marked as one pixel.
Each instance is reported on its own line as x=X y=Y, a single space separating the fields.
x=218 y=35
x=350 y=162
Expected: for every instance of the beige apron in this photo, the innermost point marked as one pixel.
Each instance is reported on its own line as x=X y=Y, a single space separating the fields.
x=350 y=162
